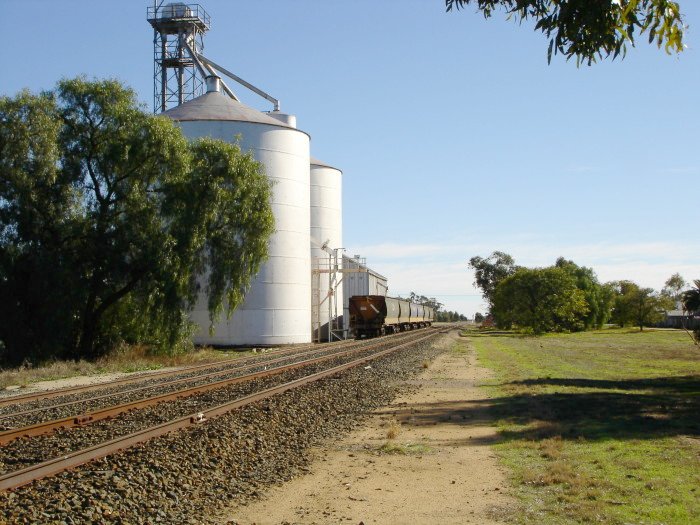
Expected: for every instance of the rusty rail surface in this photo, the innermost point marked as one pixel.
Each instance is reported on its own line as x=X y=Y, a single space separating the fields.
x=144 y=376
x=27 y=475
x=240 y=365
x=48 y=394
x=77 y=420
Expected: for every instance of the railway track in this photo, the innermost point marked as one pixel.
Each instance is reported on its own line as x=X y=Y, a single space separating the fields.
x=82 y=405
x=174 y=410
x=101 y=400
x=8 y=403
x=83 y=411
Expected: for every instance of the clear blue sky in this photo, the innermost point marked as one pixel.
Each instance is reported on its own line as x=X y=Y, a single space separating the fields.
x=455 y=136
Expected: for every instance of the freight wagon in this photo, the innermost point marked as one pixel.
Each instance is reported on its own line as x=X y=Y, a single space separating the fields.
x=375 y=315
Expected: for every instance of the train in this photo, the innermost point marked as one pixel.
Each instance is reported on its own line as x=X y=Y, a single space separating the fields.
x=375 y=315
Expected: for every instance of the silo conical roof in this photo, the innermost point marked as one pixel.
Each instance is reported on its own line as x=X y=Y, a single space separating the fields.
x=316 y=162
x=218 y=106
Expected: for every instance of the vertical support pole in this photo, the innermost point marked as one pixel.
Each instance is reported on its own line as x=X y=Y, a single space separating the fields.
x=338 y=269
x=316 y=300
x=163 y=71
x=155 y=70
x=330 y=295
x=181 y=67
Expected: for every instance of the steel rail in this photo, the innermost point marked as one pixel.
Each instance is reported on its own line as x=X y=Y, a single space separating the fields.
x=144 y=376
x=27 y=475
x=229 y=364
x=78 y=420
x=244 y=365
x=48 y=394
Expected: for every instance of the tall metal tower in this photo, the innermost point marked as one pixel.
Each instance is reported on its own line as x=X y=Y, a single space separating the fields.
x=178 y=31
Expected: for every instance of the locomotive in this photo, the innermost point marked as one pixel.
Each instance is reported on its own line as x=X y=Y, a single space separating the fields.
x=375 y=315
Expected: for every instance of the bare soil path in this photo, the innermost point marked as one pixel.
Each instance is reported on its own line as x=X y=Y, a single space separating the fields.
x=441 y=470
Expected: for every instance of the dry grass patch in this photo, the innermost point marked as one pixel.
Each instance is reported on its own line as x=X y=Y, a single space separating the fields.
x=125 y=358
x=24 y=375
x=560 y=472
x=393 y=430
x=657 y=484
x=551 y=448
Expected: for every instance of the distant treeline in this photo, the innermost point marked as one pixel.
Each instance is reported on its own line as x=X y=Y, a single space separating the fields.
x=568 y=297
x=441 y=315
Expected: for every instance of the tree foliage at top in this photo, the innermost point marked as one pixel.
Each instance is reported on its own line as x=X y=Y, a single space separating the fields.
x=561 y=297
x=592 y=29
x=490 y=271
x=109 y=218
x=441 y=314
x=673 y=287
x=638 y=306
x=541 y=300
x=599 y=297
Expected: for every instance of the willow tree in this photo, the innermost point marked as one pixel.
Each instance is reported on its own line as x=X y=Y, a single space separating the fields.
x=109 y=218
x=592 y=29
x=599 y=297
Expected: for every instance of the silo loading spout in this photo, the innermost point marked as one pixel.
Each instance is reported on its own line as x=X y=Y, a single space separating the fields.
x=213 y=65
x=206 y=70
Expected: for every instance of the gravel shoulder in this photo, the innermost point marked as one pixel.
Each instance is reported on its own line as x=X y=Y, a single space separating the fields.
x=75 y=381
x=441 y=470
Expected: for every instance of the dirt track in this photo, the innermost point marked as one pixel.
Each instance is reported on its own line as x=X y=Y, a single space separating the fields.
x=445 y=471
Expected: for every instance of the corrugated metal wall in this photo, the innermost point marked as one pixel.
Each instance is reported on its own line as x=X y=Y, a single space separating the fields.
x=359 y=283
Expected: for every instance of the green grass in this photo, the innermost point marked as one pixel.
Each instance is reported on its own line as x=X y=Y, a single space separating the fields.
x=597 y=427
x=123 y=359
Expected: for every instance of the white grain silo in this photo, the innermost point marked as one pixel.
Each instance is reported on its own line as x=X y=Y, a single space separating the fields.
x=277 y=309
x=326 y=240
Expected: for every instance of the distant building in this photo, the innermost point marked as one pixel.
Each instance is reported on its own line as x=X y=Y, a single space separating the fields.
x=681 y=319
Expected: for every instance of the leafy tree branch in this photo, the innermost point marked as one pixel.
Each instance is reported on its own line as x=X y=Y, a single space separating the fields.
x=591 y=29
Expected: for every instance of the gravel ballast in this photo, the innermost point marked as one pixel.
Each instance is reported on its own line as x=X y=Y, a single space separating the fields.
x=185 y=477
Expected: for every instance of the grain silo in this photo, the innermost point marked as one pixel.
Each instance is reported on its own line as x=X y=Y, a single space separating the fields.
x=277 y=309
x=326 y=245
